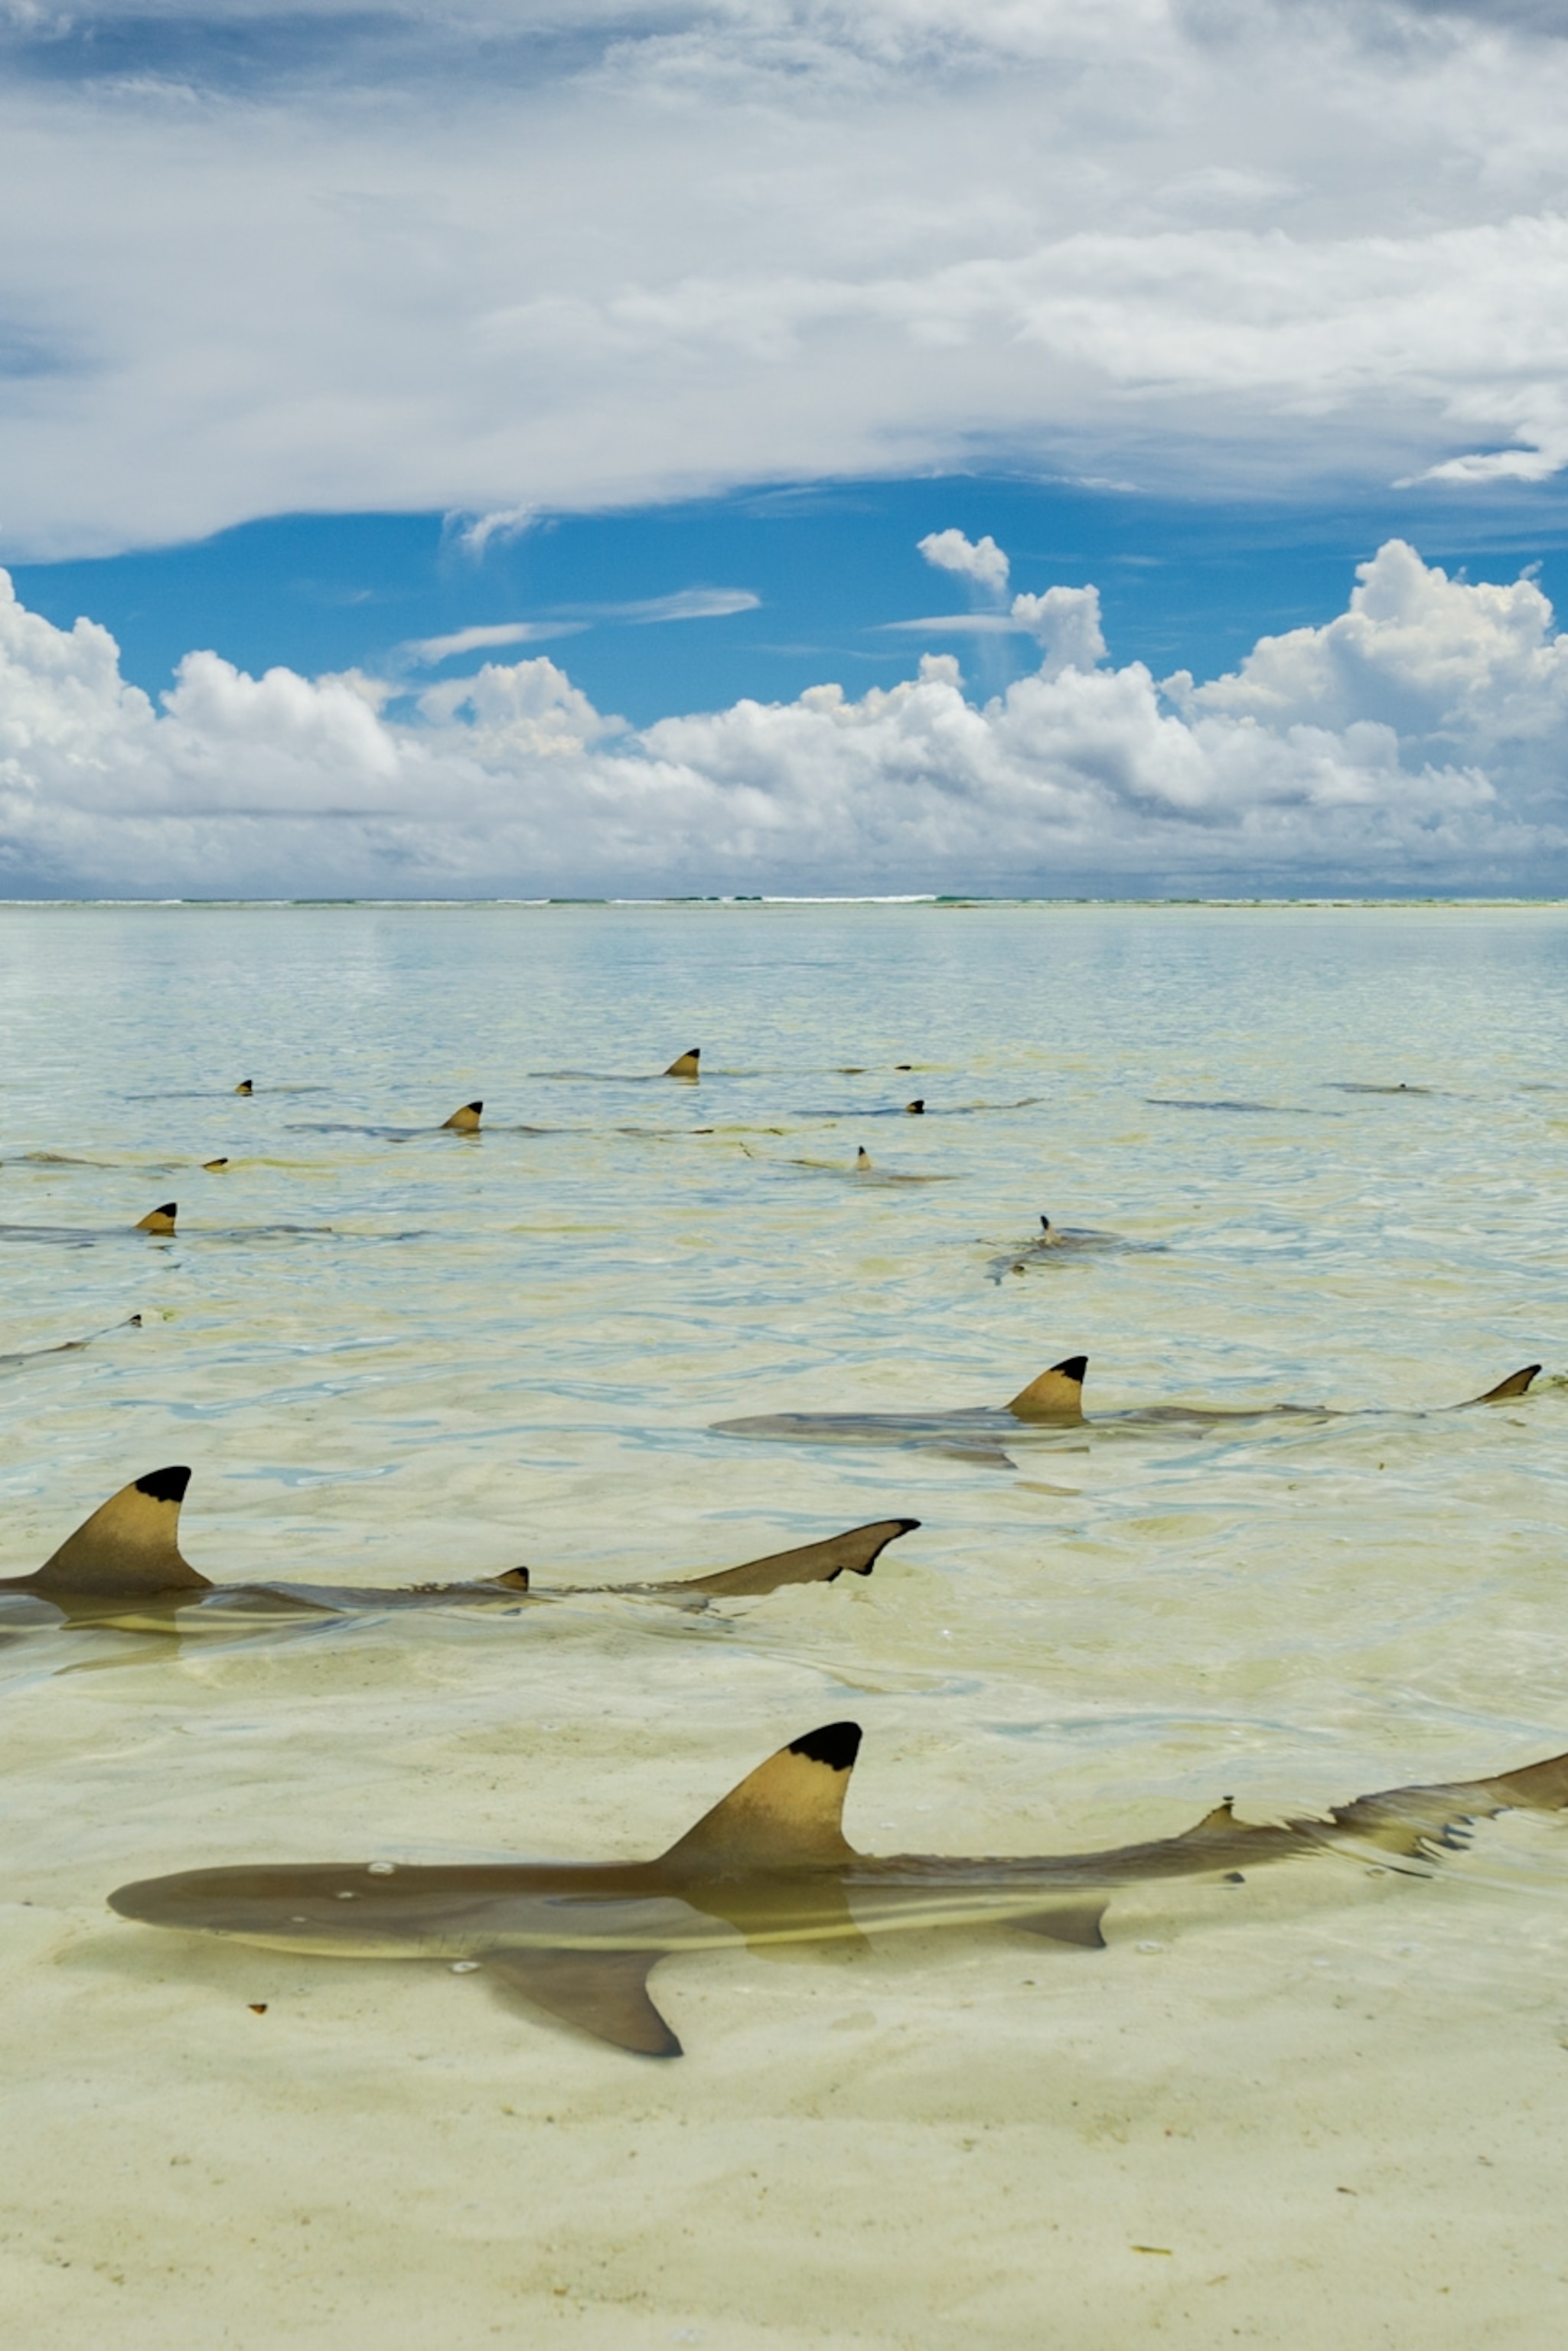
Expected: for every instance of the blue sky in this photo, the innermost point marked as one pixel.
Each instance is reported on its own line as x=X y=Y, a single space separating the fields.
x=428 y=429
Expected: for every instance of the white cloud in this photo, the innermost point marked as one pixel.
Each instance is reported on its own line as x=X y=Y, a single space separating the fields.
x=1412 y=739
x=484 y=638
x=980 y=561
x=498 y=257
x=686 y=604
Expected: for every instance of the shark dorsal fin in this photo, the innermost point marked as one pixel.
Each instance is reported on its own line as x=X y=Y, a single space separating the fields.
x=787 y=1814
x=916 y=1109
x=464 y=1121
x=684 y=1065
x=131 y=1543
x=863 y=1160
x=244 y=1087
x=1057 y=1395
x=1514 y=1386
x=159 y=1220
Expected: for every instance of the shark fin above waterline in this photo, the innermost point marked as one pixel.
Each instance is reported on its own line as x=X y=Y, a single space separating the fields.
x=787 y=1814
x=244 y=1087
x=1515 y=1384
x=601 y=1992
x=129 y=1545
x=684 y=1065
x=158 y=1220
x=464 y=1121
x=1057 y=1395
x=854 y=1552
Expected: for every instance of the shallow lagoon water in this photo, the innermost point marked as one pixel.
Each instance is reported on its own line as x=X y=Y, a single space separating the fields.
x=1324 y=2106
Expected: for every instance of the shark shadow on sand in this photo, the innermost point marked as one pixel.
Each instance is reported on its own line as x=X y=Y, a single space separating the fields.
x=1054 y=1402
x=767 y=1866
x=122 y=1569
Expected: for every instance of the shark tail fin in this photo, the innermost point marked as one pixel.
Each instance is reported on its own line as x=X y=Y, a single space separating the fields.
x=158 y=1220
x=857 y=1551
x=684 y=1065
x=464 y=1121
x=787 y=1814
x=1057 y=1395
x=129 y=1544
x=1514 y=1386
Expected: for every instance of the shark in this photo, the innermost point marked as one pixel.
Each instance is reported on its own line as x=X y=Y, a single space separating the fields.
x=768 y=1865
x=686 y=1064
x=1052 y=1402
x=122 y=1569
x=1058 y=1244
x=67 y=1346
x=159 y=1222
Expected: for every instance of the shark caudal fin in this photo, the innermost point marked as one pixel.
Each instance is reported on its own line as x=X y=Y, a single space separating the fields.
x=244 y=1087
x=464 y=1121
x=1057 y=1395
x=857 y=1551
x=684 y=1065
x=1514 y=1386
x=158 y=1220
x=131 y=1544
x=787 y=1814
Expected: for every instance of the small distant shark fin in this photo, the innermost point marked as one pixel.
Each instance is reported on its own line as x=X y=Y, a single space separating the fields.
x=244 y=1087
x=1057 y=1395
x=787 y=1814
x=464 y=1121
x=857 y=1551
x=601 y=1992
x=159 y=1220
x=1514 y=1386
x=1068 y=1922
x=916 y=1109
x=684 y=1065
x=131 y=1544
x=863 y=1160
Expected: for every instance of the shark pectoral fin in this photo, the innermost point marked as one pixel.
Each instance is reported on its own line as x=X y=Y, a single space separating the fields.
x=129 y=1545
x=1514 y=1386
x=856 y=1552
x=1056 y=1395
x=464 y=1121
x=158 y=1220
x=785 y=1815
x=601 y=1992
x=1069 y=1922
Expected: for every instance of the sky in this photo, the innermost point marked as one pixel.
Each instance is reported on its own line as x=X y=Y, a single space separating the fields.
x=993 y=445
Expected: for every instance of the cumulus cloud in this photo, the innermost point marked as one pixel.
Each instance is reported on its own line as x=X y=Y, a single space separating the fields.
x=980 y=561
x=500 y=257
x=1410 y=740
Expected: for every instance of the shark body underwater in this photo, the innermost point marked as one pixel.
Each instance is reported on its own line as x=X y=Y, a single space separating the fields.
x=123 y=1570
x=768 y=1865
x=1052 y=1402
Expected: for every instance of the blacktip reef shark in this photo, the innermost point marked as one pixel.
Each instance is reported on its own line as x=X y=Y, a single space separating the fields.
x=123 y=1570
x=685 y=1065
x=157 y=1221
x=1057 y=1244
x=68 y=1346
x=467 y=1119
x=1053 y=1401
x=768 y=1865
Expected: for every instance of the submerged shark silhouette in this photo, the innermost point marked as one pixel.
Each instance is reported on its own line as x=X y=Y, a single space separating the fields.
x=123 y=1568
x=767 y=1866
x=1056 y=1244
x=1054 y=1400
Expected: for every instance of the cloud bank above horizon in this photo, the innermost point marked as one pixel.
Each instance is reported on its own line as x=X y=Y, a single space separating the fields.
x=1413 y=741
x=495 y=256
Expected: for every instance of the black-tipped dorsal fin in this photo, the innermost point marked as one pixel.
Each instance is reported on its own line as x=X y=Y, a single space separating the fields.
x=1057 y=1395
x=464 y=1121
x=916 y=1109
x=159 y=1220
x=856 y=1552
x=863 y=1160
x=787 y=1814
x=684 y=1065
x=244 y=1087
x=1514 y=1386
x=601 y=1992
x=131 y=1544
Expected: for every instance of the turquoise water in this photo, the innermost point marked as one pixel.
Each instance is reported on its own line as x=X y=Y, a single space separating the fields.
x=395 y=1356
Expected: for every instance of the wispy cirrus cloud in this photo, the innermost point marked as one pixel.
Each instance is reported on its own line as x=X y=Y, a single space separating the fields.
x=486 y=638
